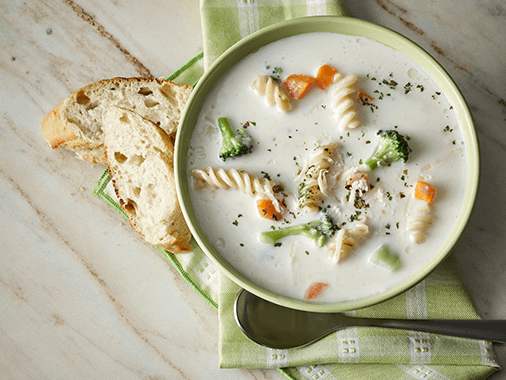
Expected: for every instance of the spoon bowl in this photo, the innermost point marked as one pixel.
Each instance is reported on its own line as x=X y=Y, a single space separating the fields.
x=275 y=326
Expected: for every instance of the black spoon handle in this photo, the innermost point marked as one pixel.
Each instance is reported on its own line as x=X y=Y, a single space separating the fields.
x=493 y=330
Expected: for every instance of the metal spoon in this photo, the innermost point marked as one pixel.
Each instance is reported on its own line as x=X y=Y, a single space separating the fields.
x=279 y=327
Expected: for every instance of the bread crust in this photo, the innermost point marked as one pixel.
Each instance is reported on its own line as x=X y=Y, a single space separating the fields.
x=59 y=133
x=55 y=130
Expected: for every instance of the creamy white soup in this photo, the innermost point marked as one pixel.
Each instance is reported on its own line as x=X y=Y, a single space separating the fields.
x=310 y=158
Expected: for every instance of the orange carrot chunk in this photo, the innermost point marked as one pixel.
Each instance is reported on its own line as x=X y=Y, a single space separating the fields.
x=425 y=191
x=315 y=289
x=298 y=85
x=267 y=210
x=325 y=76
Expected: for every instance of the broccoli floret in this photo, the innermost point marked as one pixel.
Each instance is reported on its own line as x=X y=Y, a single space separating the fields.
x=318 y=230
x=391 y=147
x=234 y=143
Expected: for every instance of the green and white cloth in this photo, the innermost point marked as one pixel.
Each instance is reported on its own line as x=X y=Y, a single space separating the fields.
x=354 y=353
x=224 y=22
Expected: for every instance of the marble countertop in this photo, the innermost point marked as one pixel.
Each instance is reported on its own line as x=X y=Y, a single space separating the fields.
x=80 y=295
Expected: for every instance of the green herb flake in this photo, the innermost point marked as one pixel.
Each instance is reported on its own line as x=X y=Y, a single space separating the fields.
x=390 y=83
x=407 y=87
x=355 y=216
x=265 y=175
x=277 y=71
x=248 y=123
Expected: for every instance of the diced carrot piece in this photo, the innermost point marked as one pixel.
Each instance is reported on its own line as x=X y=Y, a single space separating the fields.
x=425 y=191
x=298 y=85
x=315 y=289
x=267 y=210
x=325 y=76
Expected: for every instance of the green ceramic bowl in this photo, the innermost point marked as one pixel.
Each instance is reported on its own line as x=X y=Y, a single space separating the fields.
x=342 y=25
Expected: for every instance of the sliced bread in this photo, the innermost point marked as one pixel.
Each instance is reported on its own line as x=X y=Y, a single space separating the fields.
x=140 y=158
x=77 y=122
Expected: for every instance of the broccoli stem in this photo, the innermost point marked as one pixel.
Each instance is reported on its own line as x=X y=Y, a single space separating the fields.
x=318 y=230
x=378 y=156
x=271 y=237
x=225 y=128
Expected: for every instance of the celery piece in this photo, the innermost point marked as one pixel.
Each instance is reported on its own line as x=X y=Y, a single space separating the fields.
x=385 y=258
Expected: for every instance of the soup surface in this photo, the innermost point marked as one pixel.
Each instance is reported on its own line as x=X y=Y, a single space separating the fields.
x=393 y=93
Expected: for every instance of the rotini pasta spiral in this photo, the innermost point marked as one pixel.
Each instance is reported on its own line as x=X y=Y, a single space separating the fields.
x=418 y=220
x=314 y=185
x=220 y=178
x=345 y=94
x=346 y=241
x=273 y=93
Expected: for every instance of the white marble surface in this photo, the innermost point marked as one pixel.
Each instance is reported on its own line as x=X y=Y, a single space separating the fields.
x=80 y=295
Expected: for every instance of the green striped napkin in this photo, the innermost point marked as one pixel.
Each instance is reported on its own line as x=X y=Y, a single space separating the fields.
x=224 y=22
x=358 y=353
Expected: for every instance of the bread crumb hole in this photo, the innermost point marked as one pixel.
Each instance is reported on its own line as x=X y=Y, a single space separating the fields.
x=145 y=91
x=137 y=191
x=130 y=206
x=120 y=157
x=137 y=160
x=150 y=103
x=124 y=118
x=81 y=98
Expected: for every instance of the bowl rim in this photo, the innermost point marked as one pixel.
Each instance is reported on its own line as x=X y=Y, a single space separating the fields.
x=372 y=32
